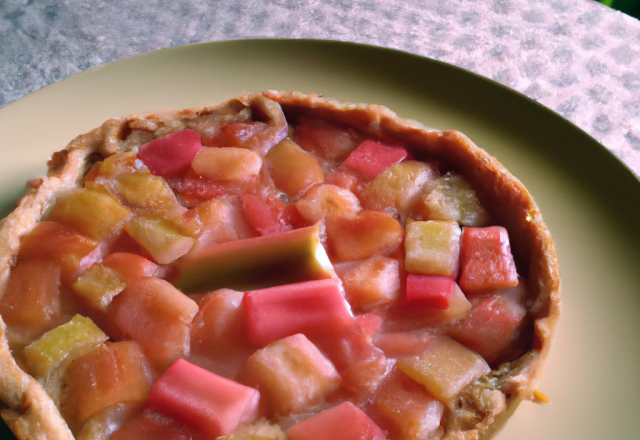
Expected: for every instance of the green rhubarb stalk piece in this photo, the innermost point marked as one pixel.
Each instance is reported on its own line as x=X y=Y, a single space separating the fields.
x=159 y=237
x=256 y=263
x=98 y=285
x=63 y=344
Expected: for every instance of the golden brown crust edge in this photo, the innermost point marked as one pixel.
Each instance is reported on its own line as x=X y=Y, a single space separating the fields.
x=33 y=415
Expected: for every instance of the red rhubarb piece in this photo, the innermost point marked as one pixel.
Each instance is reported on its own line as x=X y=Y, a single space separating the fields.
x=371 y=158
x=486 y=260
x=430 y=290
x=343 y=422
x=310 y=307
x=172 y=154
x=203 y=400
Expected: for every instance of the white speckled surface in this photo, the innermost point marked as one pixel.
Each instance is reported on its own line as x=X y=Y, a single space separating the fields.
x=577 y=57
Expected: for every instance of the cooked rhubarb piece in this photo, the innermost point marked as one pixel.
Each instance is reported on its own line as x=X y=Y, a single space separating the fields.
x=130 y=266
x=94 y=214
x=208 y=403
x=171 y=154
x=292 y=375
x=453 y=198
x=430 y=290
x=61 y=244
x=369 y=323
x=360 y=364
x=433 y=248
x=270 y=216
x=260 y=430
x=398 y=189
x=399 y=344
x=252 y=263
x=219 y=334
x=151 y=425
x=371 y=158
x=217 y=221
x=408 y=411
x=155 y=314
x=330 y=141
x=343 y=422
x=32 y=296
x=310 y=307
x=226 y=163
x=327 y=199
x=358 y=236
x=370 y=283
x=492 y=327
x=486 y=260
x=292 y=169
x=110 y=374
x=146 y=193
x=194 y=190
x=346 y=179
x=159 y=237
x=63 y=344
x=445 y=368
x=98 y=285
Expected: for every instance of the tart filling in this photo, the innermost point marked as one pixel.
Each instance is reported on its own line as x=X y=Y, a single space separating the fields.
x=276 y=266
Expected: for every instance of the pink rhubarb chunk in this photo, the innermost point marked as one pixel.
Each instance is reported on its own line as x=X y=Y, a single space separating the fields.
x=172 y=154
x=342 y=422
x=486 y=260
x=310 y=307
x=430 y=290
x=371 y=158
x=207 y=402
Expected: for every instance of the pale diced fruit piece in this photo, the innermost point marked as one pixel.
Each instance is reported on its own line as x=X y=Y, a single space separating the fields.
x=219 y=334
x=208 y=403
x=327 y=199
x=159 y=237
x=145 y=192
x=60 y=244
x=331 y=141
x=63 y=344
x=98 y=285
x=253 y=263
x=112 y=166
x=453 y=198
x=155 y=314
x=408 y=410
x=32 y=296
x=110 y=374
x=370 y=283
x=445 y=368
x=260 y=430
x=433 y=248
x=217 y=221
x=93 y=214
x=291 y=374
x=226 y=163
x=292 y=169
x=343 y=422
x=398 y=189
x=358 y=236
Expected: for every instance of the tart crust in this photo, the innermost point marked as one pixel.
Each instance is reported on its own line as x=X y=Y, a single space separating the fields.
x=32 y=414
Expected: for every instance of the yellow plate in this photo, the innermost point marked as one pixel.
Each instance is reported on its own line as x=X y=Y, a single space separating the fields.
x=589 y=200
